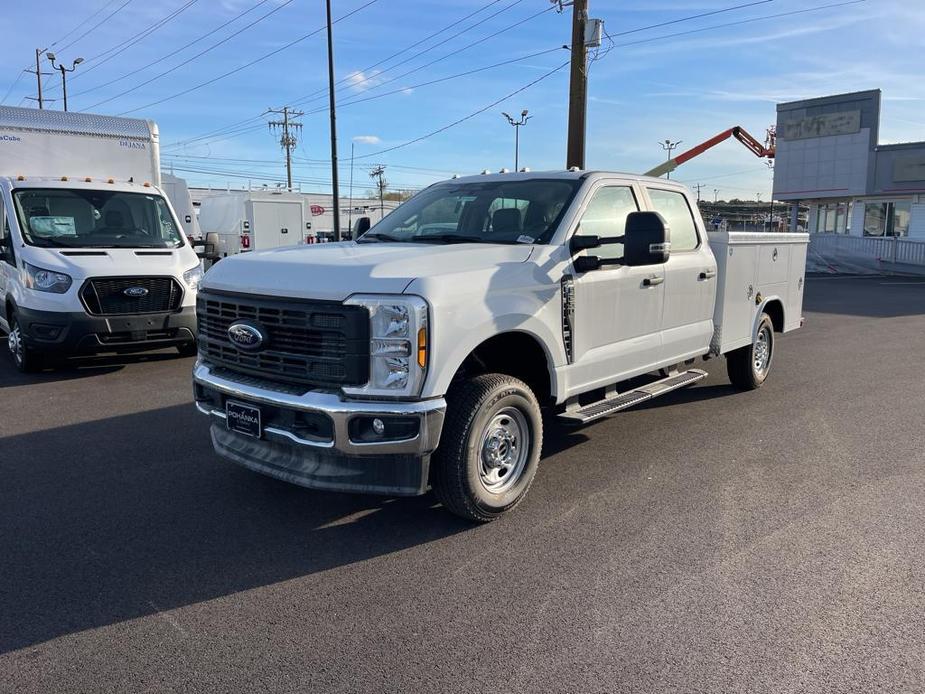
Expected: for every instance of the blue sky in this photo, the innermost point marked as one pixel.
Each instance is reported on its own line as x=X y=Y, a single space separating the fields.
x=685 y=87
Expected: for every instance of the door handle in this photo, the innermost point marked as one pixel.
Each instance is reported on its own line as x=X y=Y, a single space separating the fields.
x=652 y=281
x=707 y=275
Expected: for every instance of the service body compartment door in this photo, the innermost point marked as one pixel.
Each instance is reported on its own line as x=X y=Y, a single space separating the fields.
x=754 y=268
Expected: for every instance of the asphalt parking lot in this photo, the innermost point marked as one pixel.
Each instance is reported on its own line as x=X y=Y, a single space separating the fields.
x=712 y=541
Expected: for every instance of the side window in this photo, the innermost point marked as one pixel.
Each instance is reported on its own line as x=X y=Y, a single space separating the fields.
x=606 y=216
x=673 y=206
x=6 y=253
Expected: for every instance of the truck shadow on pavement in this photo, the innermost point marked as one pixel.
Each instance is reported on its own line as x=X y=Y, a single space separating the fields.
x=76 y=367
x=104 y=520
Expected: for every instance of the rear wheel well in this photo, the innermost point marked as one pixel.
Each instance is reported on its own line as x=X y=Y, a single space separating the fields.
x=516 y=354
x=9 y=310
x=775 y=311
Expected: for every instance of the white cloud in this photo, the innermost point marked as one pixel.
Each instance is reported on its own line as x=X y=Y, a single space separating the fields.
x=361 y=81
x=367 y=139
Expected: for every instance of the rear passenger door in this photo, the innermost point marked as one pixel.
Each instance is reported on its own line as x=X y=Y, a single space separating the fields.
x=690 y=277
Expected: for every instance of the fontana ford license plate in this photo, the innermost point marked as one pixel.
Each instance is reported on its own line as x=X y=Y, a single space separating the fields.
x=244 y=419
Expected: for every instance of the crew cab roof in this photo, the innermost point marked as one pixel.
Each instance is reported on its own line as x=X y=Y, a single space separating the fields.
x=564 y=175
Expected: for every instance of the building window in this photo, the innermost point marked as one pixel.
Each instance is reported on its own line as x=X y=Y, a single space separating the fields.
x=833 y=218
x=887 y=218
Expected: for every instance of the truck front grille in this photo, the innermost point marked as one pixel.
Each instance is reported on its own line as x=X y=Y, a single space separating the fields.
x=308 y=342
x=110 y=296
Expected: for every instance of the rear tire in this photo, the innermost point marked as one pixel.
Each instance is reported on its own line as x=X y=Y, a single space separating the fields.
x=748 y=367
x=490 y=447
x=25 y=359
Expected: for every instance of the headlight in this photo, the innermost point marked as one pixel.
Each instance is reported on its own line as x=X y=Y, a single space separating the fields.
x=46 y=280
x=193 y=277
x=398 y=344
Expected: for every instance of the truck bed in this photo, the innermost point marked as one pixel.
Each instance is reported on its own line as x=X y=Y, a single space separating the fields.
x=755 y=268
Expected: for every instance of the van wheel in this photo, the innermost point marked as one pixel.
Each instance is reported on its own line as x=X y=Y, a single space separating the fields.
x=748 y=367
x=190 y=349
x=26 y=360
x=490 y=447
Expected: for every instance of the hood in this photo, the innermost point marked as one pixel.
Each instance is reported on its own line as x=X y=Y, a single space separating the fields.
x=334 y=271
x=113 y=262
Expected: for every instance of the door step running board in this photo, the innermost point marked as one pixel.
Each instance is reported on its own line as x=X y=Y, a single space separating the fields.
x=604 y=408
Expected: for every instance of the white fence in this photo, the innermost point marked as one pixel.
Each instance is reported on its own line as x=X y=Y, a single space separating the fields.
x=865 y=254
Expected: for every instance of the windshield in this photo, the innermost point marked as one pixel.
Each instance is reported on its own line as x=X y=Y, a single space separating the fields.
x=477 y=212
x=67 y=218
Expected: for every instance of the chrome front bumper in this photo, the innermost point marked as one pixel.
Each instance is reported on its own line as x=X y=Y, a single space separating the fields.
x=429 y=413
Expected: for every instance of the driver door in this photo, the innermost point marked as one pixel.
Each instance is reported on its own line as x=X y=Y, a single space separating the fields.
x=617 y=309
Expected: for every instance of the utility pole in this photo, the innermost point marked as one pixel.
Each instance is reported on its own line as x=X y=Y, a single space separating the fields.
x=669 y=147
x=381 y=183
x=698 y=187
x=287 y=140
x=578 y=87
x=335 y=198
x=38 y=76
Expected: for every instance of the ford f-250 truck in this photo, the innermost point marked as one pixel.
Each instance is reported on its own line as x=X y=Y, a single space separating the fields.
x=423 y=354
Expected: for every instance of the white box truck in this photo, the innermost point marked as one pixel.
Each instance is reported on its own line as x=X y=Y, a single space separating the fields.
x=92 y=256
x=177 y=193
x=420 y=355
x=242 y=221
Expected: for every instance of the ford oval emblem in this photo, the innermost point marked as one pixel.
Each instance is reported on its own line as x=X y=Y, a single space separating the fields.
x=135 y=292
x=246 y=336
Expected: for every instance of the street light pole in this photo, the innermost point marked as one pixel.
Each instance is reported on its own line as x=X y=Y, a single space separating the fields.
x=669 y=147
x=64 y=71
x=335 y=207
x=517 y=123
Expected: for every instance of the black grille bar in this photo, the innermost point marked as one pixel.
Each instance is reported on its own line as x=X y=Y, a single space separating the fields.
x=308 y=342
x=106 y=296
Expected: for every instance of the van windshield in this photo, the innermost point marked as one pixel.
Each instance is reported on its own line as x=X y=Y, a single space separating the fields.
x=494 y=211
x=66 y=218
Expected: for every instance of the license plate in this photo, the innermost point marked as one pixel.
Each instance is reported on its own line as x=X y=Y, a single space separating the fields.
x=244 y=419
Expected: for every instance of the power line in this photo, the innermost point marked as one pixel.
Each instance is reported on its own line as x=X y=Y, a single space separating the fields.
x=88 y=19
x=740 y=22
x=174 y=52
x=322 y=92
x=96 y=26
x=696 y=16
x=189 y=60
x=447 y=55
x=468 y=117
x=252 y=62
x=120 y=48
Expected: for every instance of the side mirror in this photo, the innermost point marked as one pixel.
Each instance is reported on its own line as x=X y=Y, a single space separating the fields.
x=580 y=243
x=648 y=239
x=361 y=226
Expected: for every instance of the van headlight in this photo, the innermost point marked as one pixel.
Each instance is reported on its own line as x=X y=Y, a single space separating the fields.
x=398 y=345
x=193 y=277
x=43 y=280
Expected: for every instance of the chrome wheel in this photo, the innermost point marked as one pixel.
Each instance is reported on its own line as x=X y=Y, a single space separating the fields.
x=504 y=450
x=761 y=355
x=14 y=343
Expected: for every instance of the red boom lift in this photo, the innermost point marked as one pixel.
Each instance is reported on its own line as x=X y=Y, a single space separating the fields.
x=738 y=132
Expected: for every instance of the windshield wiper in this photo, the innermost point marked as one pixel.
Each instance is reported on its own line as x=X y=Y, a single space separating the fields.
x=452 y=238
x=378 y=236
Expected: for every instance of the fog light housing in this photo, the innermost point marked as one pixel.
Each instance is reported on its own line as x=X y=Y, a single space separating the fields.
x=377 y=429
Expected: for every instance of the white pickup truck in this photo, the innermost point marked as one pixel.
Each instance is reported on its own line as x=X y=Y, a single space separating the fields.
x=425 y=353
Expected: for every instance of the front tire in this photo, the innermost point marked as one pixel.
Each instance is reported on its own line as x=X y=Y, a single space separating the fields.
x=25 y=359
x=748 y=367
x=490 y=447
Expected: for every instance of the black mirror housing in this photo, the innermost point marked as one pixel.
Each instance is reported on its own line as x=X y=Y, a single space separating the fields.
x=361 y=226
x=648 y=239
x=582 y=243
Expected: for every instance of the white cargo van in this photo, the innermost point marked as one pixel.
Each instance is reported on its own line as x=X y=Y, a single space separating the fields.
x=92 y=256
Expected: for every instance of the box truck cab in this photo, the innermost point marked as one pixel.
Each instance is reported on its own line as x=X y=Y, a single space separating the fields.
x=92 y=256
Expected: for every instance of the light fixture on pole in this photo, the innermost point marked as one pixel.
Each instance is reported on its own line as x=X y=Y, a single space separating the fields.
x=517 y=123
x=669 y=147
x=64 y=71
